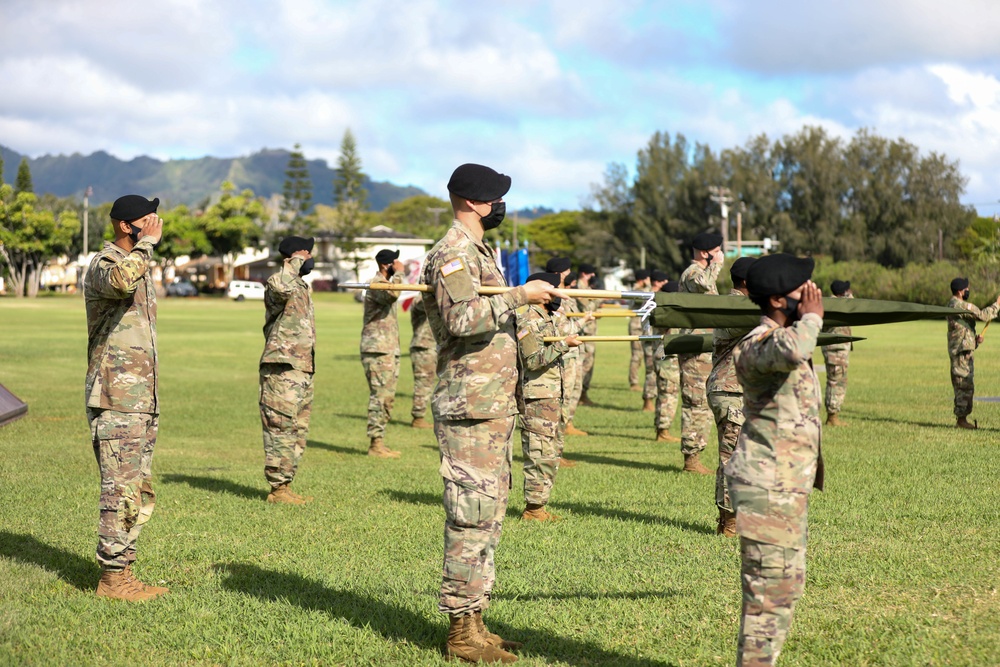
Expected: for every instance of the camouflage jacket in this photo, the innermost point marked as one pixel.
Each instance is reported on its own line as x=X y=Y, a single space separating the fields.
x=724 y=341
x=697 y=279
x=122 y=372
x=380 y=332
x=588 y=306
x=569 y=326
x=289 y=323
x=477 y=350
x=542 y=376
x=962 y=330
x=779 y=446
x=423 y=337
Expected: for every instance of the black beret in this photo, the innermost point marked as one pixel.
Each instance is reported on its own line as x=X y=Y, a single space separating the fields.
x=133 y=207
x=386 y=256
x=557 y=264
x=641 y=274
x=587 y=268
x=570 y=277
x=740 y=267
x=959 y=284
x=671 y=286
x=778 y=274
x=706 y=241
x=550 y=278
x=478 y=183
x=840 y=287
x=292 y=244
x=658 y=276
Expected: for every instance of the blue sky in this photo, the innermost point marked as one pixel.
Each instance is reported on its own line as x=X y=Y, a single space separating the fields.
x=548 y=92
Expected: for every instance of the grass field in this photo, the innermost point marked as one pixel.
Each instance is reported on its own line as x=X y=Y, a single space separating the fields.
x=904 y=548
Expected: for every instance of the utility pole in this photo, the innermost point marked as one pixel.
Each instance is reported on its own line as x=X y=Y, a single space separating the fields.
x=723 y=197
x=86 y=224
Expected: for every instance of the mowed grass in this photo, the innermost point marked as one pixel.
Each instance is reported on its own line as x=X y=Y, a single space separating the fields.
x=904 y=546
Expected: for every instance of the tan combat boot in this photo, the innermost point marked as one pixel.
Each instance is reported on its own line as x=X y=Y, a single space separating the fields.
x=647 y=405
x=535 y=512
x=585 y=400
x=833 y=420
x=378 y=449
x=305 y=499
x=420 y=422
x=727 y=524
x=122 y=585
x=466 y=644
x=573 y=430
x=155 y=590
x=663 y=435
x=635 y=387
x=964 y=423
x=692 y=463
x=493 y=638
x=566 y=463
x=282 y=494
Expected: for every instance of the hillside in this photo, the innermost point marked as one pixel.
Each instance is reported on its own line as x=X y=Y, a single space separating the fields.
x=182 y=181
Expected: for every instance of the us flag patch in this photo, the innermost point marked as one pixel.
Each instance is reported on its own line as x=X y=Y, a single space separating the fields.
x=522 y=333
x=451 y=267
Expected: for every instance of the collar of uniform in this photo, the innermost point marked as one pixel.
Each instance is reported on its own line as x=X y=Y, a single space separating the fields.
x=117 y=249
x=465 y=230
x=766 y=321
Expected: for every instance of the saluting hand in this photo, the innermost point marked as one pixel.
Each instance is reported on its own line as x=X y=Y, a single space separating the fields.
x=812 y=299
x=151 y=225
x=304 y=254
x=539 y=291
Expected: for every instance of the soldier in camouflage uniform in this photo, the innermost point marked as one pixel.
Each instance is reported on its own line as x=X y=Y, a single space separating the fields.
x=641 y=284
x=696 y=417
x=474 y=403
x=835 y=359
x=542 y=390
x=725 y=397
x=287 y=366
x=666 y=369
x=380 y=351
x=585 y=280
x=122 y=396
x=777 y=460
x=572 y=360
x=962 y=342
x=423 y=358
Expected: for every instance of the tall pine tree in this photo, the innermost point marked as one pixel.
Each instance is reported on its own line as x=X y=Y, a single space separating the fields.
x=351 y=202
x=23 y=181
x=297 y=193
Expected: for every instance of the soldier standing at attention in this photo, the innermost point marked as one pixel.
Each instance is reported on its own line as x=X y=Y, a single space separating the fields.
x=668 y=378
x=777 y=460
x=586 y=277
x=696 y=417
x=423 y=359
x=572 y=362
x=835 y=359
x=380 y=351
x=122 y=395
x=474 y=403
x=640 y=284
x=962 y=342
x=725 y=397
x=542 y=390
x=286 y=369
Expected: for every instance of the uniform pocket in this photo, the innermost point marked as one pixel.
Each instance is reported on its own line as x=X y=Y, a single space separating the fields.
x=470 y=495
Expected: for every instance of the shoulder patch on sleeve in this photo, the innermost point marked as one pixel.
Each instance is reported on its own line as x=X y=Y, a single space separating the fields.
x=458 y=280
x=451 y=267
x=522 y=333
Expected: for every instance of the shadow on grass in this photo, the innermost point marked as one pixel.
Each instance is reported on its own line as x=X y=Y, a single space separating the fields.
x=950 y=426
x=216 y=485
x=336 y=448
x=351 y=415
x=625 y=515
x=622 y=595
x=623 y=463
x=402 y=625
x=72 y=568
x=611 y=406
x=435 y=500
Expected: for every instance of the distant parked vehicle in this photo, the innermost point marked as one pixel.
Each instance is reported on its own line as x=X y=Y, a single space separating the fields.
x=245 y=289
x=182 y=288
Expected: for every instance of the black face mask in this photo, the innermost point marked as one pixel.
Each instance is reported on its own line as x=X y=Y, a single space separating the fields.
x=493 y=219
x=307 y=267
x=965 y=295
x=389 y=272
x=791 y=308
x=136 y=233
x=553 y=305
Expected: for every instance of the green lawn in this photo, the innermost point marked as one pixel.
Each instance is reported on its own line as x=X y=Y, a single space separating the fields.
x=904 y=549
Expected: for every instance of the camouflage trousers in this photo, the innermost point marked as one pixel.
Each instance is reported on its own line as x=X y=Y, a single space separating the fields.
x=649 y=358
x=727 y=408
x=542 y=445
x=424 y=362
x=475 y=465
x=286 y=397
x=668 y=383
x=836 y=382
x=634 y=362
x=963 y=381
x=696 y=416
x=123 y=445
x=573 y=381
x=382 y=373
x=588 y=354
x=773 y=530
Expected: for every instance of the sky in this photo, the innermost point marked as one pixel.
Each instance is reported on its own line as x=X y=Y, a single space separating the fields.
x=549 y=92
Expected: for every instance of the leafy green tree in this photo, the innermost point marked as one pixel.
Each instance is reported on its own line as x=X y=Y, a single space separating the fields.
x=298 y=193
x=423 y=215
x=30 y=237
x=232 y=224
x=22 y=182
x=555 y=234
x=183 y=235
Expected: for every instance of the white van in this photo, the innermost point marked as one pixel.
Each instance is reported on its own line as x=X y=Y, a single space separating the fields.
x=245 y=289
